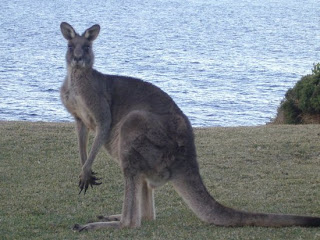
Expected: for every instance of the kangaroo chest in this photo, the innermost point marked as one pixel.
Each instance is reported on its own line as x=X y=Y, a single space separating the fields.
x=76 y=103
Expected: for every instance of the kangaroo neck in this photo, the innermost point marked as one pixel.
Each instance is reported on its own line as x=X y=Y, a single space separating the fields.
x=77 y=75
x=79 y=70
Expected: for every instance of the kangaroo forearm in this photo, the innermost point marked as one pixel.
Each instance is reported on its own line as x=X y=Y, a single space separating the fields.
x=100 y=138
x=82 y=132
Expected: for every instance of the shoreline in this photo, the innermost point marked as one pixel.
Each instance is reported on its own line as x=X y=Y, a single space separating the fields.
x=72 y=122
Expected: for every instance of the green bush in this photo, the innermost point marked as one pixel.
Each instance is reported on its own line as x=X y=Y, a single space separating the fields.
x=302 y=99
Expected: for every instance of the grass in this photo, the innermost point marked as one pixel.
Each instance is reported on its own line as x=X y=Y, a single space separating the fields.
x=273 y=168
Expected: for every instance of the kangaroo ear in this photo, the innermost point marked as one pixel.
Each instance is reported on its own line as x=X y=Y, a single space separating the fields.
x=67 y=31
x=92 y=33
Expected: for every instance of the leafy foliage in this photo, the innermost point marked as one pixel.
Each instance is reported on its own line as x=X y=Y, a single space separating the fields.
x=303 y=98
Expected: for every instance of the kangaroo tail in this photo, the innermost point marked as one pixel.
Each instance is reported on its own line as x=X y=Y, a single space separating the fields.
x=195 y=194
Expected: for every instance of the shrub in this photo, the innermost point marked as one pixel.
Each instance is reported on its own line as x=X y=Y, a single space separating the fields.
x=302 y=99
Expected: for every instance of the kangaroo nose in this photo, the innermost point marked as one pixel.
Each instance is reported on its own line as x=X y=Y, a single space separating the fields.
x=77 y=54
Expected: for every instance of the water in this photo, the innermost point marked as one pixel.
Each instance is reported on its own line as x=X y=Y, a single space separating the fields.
x=225 y=63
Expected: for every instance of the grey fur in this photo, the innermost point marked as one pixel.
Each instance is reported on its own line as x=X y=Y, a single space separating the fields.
x=152 y=140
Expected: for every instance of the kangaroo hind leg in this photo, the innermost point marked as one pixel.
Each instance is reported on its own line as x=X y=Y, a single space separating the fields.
x=131 y=214
x=147 y=202
x=142 y=141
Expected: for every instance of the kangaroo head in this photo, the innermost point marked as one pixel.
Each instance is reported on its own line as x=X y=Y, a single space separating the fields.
x=79 y=54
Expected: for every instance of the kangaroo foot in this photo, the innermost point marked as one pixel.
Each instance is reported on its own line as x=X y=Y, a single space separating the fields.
x=110 y=218
x=95 y=225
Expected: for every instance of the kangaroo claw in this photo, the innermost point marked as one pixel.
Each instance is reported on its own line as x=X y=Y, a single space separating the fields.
x=85 y=181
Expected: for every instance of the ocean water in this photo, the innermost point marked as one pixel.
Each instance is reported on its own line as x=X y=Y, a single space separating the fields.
x=225 y=63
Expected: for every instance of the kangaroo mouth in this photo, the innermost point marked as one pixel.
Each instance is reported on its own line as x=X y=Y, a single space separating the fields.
x=78 y=64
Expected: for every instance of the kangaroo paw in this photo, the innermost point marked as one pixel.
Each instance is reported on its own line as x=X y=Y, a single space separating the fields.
x=86 y=180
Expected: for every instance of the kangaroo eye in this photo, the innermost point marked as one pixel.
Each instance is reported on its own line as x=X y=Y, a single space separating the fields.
x=86 y=48
x=70 y=47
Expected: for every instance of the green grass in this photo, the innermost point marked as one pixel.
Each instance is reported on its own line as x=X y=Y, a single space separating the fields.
x=273 y=168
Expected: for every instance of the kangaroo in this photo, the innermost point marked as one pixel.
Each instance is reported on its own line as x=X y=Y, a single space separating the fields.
x=151 y=139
